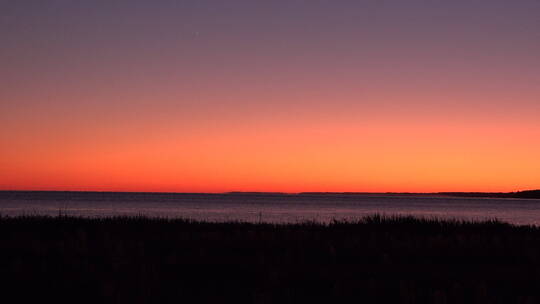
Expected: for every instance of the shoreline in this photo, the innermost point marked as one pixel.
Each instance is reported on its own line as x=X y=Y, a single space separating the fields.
x=525 y=194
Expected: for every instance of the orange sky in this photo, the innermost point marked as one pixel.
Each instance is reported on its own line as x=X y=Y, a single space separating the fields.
x=330 y=97
x=298 y=154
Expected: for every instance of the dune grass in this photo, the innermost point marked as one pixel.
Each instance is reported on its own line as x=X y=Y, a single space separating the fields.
x=377 y=259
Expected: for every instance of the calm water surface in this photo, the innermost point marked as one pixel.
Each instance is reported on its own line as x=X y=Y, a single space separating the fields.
x=266 y=207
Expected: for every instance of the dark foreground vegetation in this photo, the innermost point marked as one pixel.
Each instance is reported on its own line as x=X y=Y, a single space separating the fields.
x=376 y=260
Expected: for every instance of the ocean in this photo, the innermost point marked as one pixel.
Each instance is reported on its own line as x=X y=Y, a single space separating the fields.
x=262 y=207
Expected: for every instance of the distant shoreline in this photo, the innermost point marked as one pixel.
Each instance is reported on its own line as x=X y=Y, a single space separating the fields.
x=533 y=194
x=526 y=194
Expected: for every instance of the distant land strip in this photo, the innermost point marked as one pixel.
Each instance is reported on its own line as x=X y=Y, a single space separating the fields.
x=533 y=194
x=526 y=194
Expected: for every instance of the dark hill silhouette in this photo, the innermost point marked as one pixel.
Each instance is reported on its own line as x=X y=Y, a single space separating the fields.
x=532 y=194
x=528 y=194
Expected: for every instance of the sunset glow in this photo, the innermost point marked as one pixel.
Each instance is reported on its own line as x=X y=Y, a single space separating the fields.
x=285 y=96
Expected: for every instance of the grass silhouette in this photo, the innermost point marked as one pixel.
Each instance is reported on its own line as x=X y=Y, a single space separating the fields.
x=377 y=259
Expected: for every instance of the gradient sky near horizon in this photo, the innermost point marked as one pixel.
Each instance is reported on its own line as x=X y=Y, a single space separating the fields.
x=298 y=95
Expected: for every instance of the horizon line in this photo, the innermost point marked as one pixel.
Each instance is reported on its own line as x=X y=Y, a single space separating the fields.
x=271 y=192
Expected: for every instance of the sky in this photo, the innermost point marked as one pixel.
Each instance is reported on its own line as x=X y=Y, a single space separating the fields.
x=287 y=96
